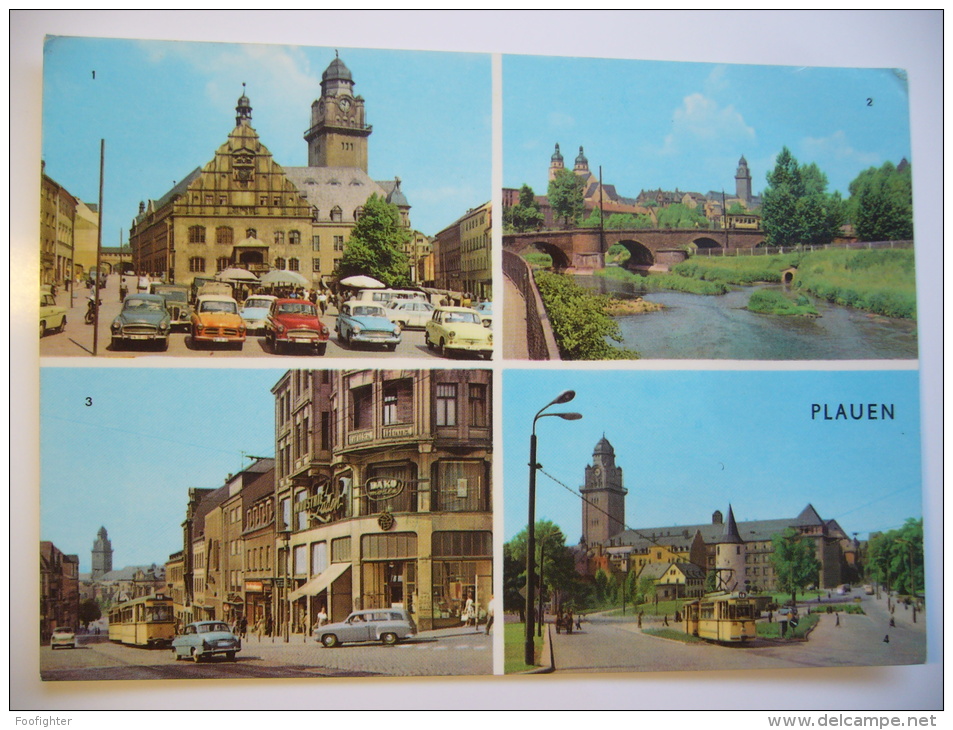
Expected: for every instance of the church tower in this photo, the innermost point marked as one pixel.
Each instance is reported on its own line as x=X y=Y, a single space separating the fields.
x=102 y=554
x=556 y=163
x=338 y=133
x=730 y=553
x=603 y=508
x=743 y=181
x=582 y=164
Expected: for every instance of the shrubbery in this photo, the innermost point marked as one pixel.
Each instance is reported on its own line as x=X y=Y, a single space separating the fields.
x=768 y=301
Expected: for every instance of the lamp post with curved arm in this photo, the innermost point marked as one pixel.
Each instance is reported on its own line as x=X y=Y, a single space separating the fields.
x=564 y=397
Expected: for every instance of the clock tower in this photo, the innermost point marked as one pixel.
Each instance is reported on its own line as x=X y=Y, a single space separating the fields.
x=338 y=133
x=603 y=508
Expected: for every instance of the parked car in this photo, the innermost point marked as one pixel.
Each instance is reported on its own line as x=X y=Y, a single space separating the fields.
x=63 y=637
x=255 y=311
x=366 y=322
x=458 y=329
x=216 y=319
x=293 y=322
x=52 y=317
x=204 y=639
x=409 y=312
x=384 y=296
x=485 y=310
x=143 y=318
x=387 y=625
x=176 y=301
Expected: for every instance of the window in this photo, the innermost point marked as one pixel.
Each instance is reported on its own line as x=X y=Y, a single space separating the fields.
x=302 y=515
x=446 y=404
x=293 y=265
x=280 y=263
x=294 y=237
x=315 y=243
x=358 y=212
x=223 y=200
x=262 y=200
x=279 y=238
x=319 y=557
x=221 y=263
x=361 y=404
x=341 y=550
x=398 y=402
x=301 y=560
x=462 y=544
x=458 y=486
x=339 y=243
x=285 y=523
x=197 y=234
x=223 y=234
x=251 y=233
x=209 y=199
x=402 y=475
x=316 y=264
x=197 y=264
x=477 y=404
x=337 y=214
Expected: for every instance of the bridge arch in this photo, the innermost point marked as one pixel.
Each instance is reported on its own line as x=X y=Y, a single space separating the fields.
x=706 y=242
x=557 y=254
x=639 y=254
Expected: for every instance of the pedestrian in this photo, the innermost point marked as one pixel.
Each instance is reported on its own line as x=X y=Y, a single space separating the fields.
x=489 y=615
x=665 y=620
x=640 y=619
x=260 y=627
x=892 y=622
x=243 y=627
x=322 y=616
x=569 y=621
x=323 y=302
x=836 y=619
x=579 y=622
x=886 y=638
x=469 y=610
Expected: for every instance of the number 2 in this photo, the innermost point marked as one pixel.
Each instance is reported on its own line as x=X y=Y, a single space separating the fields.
x=870 y=101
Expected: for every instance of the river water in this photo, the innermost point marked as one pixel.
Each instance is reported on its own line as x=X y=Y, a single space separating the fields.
x=694 y=326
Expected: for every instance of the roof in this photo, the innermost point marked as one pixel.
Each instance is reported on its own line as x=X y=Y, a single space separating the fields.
x=211 y=298
x=328 y=187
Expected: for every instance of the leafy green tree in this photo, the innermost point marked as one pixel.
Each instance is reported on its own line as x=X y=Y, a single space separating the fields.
x=737 y=209
x=711 y=581
x=616 y=221
x=565 y=196
x=896 y=557
x=794 y=561
x=881 y=204
x=558 y=565
x=525 y=215
x=796 y=208
x=89 y=611
x=376 y=245
x=646 y=588
x=679 y=215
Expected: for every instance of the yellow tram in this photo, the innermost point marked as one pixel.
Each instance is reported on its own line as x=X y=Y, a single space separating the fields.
x=146 y=621
x=724 y=617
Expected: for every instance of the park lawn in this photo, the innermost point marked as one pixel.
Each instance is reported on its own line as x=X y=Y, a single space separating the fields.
x=772 y=630
x=513 y=642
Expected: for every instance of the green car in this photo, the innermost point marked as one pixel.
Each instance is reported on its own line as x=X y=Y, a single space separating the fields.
x=204 y=639
x=144 y=318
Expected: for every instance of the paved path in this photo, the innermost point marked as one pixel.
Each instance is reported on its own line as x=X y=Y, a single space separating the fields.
x=612 y=644
x=514 y=322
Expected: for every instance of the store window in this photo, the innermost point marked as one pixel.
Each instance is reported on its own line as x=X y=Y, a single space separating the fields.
x=390 y=487
x=446 y=402
x=459 y=486
x=389 y=570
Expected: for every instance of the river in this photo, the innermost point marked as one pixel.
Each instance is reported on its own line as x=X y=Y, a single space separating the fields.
x=694 y=326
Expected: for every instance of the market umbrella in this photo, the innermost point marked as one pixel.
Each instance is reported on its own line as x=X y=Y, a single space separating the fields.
x=235 y=275
x=279 y=277
x=362 y=282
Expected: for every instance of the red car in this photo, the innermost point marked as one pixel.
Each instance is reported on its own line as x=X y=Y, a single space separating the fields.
x=293 y=322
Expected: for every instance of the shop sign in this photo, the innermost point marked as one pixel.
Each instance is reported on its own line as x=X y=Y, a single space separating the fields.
x=322 y=506
x=253 y=586
x=378 y=488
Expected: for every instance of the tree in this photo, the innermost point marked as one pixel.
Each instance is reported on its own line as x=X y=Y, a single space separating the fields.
x=646 y=588
x=89 y=611
x=565 y=196
x=796 y=209
x=525 y=215
x=896 y=557
x=558 y=565
x=794 y=561
x=679 y=215
x=376 y=245
x=881 y=203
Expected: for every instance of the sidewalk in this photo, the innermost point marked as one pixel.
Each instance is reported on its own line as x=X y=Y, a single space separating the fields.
x=514 y=323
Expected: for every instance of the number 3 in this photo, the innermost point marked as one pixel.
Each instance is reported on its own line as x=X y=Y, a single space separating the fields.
x=89 y=401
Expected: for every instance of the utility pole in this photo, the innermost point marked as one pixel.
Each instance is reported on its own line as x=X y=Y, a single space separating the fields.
x=99 y=249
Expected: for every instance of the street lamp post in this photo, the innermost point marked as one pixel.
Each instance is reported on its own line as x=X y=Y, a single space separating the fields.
x=529 y=654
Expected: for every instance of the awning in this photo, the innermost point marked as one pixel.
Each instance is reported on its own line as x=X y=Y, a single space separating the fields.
x=317 y=584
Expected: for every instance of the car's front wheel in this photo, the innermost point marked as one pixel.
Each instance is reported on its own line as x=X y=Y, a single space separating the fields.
x=389 y=638
x=329 y=640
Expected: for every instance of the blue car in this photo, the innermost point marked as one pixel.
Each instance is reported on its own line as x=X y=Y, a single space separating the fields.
x=366 y=322
x=204 y=639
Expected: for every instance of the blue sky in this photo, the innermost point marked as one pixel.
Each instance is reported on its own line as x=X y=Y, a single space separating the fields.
x=691 y=442
x=668 y=124
x=127 y=461
x=165 y=107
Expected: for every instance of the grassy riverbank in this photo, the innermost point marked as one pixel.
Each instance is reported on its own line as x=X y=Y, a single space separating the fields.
x=660 y=282
x=768 y=301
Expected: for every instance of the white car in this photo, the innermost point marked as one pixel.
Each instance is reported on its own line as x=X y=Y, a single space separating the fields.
x=255 y=311
x=409 y=312
x=63 y=637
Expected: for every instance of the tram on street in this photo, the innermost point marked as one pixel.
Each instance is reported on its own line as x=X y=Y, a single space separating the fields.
x=147 y=621
x=724 y=617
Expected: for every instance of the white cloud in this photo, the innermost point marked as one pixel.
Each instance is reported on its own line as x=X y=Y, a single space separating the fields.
x=699 y=120
x=836 y=147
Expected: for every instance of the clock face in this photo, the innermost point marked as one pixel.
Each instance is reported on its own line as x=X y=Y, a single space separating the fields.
x=344 y=104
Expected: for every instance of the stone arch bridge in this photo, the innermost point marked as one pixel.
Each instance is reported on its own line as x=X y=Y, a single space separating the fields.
x=582 y=249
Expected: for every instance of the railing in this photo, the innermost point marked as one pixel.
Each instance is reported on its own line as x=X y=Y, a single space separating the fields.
x=540 y=341
x=772 y=250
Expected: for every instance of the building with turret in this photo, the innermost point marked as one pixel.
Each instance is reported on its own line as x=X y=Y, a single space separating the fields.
x=102 y=554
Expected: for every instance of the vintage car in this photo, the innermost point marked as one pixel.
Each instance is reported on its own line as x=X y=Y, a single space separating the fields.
x=204 y=639
x=176 y=301
x=63 y=637
x=52 y=317
x=293 y=322
x=385 y=296
x=144 y=318
x=458 y=329
x=409 y=312
x=387 y=625
x=366 y=322
x=485 y=310
x=216 y=319
x=255 y=311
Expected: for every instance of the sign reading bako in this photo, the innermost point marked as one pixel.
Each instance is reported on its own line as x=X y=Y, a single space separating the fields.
x=378 y=488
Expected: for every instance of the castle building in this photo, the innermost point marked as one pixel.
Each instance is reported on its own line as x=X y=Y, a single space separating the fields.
x=102 y=555
x=603 y=507
x=243 y=209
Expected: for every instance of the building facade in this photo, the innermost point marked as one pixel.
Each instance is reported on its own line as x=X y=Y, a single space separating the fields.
x=476 y=230
x=59 y=590
x=392 y=504
x=57 y=222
